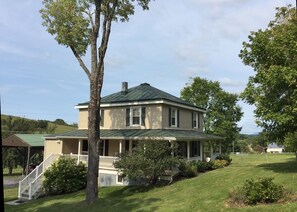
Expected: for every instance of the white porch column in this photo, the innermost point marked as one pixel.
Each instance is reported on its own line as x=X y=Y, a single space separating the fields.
x=120 y=146
x=79 y=147
x=171 y=145
x=201 y=150
x=211 y=150
x=188 y=150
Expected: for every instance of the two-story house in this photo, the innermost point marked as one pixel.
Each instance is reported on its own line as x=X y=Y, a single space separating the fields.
x=130 y=115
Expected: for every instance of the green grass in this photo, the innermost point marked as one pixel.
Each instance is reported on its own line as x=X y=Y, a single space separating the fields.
x=206 y=192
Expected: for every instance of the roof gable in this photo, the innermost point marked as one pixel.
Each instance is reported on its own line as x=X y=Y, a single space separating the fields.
x=141 y=93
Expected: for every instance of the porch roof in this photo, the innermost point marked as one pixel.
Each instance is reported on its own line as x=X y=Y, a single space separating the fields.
x=136 y=134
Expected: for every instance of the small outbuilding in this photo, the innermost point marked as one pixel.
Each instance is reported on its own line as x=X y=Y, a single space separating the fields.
x=27 y=144
x=274 y=148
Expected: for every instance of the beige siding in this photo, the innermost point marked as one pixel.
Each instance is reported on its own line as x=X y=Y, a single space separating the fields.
x=185 y=118
x=156 y=118
x=83 y=119
x=52 y=146
x=153 y=117
x=114 y=118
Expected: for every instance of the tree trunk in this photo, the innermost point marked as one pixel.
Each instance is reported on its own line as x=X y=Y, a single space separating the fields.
x=93 y=141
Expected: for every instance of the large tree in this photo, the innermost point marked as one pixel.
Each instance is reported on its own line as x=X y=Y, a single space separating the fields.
x=222 y=110
x=78 y=24
x=272 y=53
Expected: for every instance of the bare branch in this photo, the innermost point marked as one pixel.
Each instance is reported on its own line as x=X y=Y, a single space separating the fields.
x=81 y=63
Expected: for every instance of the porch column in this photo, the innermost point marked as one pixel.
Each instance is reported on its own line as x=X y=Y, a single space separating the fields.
x=188 y=150
x=201 y=150
x=211 y=150
x=79 y=147
x=120 y=146
x=171 y=145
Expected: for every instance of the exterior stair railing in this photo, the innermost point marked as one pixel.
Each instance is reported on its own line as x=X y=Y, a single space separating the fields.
x=32 y=183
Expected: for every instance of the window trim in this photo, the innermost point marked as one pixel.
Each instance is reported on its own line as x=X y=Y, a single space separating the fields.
x=175 y=111
x=117 y=179
x=129 y=114
x=195 y=120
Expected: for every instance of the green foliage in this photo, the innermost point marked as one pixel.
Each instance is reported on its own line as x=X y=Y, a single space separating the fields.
x=60 y=122
x=290 y=142
x=224 y=157
x=203 y=166
x=65 y=176
x=148 y=161
x=222 y=110
x=187 y=169
x=219 y=164
x=272 y=54
x=262 y=190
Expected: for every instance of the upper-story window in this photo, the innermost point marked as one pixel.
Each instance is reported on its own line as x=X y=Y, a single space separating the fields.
x=135 y=116
x=173 y=117
x=195 y=120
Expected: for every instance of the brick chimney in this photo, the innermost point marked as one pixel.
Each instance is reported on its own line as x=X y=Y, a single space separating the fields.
x=124 y=87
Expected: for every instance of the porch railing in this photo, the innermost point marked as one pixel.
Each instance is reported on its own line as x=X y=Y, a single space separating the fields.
x=32 y=183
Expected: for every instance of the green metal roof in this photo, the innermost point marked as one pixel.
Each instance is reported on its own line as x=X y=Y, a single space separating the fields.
x=32 y=139
x=143 y=92
x=136 y=134
x=24 y=140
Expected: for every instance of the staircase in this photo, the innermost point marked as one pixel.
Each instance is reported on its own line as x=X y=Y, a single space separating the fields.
x=31 y=186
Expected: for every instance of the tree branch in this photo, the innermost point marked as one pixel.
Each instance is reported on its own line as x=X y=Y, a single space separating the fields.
x=81 y=63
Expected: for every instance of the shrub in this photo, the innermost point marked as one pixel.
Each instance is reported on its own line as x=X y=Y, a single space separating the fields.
x=203 y=166
x=65 y=176
x=187 y=169
x=262 y=190
x=219 y=164
x=224 y=157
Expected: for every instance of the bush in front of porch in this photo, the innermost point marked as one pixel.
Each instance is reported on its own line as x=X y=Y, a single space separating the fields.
x=65 y=176
x=149 y=161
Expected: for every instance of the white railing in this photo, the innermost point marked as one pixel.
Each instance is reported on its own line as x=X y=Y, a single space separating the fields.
x=33 y=181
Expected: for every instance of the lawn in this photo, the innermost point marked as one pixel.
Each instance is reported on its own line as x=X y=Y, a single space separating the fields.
x=206 y=192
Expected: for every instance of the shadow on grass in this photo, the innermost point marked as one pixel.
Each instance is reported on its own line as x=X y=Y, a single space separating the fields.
x=128 y=198
x=285 y=167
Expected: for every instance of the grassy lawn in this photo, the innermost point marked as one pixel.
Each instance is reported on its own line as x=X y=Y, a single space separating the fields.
x=206 y=192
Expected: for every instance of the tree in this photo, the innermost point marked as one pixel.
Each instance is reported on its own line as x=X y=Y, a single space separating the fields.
x=77 y=24
x=148 y=161
x=60 y=121
x=222 y=111
x=272 y=53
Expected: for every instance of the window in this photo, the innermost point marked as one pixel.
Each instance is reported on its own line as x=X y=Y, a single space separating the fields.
x=120 y=179
x=195 y=120
x=135 y=116
x=173 y=117
x=195 y=149
x=85 y=146
x=103 y=147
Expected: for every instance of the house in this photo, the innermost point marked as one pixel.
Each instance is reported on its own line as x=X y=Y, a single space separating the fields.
x=132 y=114
x=274 y=148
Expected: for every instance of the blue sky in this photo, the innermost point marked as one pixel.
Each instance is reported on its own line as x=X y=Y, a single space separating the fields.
x=165 y=46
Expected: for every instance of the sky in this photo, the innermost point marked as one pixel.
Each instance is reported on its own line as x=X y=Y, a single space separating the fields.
x=165 y=46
